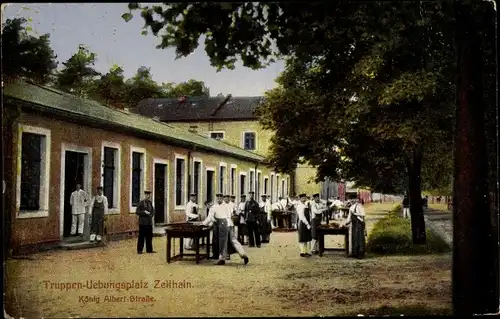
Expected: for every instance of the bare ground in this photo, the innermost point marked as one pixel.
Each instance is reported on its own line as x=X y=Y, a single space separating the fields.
x=276 y=282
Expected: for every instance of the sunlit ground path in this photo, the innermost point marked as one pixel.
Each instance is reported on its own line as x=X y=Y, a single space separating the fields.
x=276 y=282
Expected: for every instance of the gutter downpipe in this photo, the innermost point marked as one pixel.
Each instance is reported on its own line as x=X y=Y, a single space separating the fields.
x=256 y=186
x=189 y=182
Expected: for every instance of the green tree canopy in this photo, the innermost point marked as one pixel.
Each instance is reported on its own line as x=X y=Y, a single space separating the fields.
x=78 y=75
x=189 y=88
x=24 y=55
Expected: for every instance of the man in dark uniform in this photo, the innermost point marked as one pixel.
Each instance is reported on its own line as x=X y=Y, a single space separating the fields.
x=252 y=214
x=242 y=231
x=145 y=211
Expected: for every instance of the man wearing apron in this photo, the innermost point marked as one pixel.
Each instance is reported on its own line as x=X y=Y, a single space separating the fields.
x=242 y=235
x=99 y=207
x=317 y=215
x=192 y=215
x=220 y=216
x=265 y=219
x=304 y=226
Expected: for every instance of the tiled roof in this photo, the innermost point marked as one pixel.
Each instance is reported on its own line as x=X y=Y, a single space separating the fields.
x=199 y=108
x=68 y=104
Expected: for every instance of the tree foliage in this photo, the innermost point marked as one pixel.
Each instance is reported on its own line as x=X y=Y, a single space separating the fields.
x=78 y=75
x=25 y=55
x=189 y=88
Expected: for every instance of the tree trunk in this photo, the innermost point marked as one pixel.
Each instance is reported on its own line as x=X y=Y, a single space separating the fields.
x=475 y=242
x=415 y=196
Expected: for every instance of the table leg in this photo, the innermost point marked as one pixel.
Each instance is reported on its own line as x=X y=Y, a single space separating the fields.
x=208 y=245
x=169 y=248
x=346 y=244
x=321 y=244
x=181 y=248
x=197 y=242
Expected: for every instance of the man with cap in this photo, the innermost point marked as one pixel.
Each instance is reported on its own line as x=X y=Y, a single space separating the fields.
x=145 y=211
x=99 y=208
x=242 y=232
x=276 y=210
x=265 y=219
x=192 y=214
x=252 y=215
x=317 y=209
x=304 y=216
x=220 y=216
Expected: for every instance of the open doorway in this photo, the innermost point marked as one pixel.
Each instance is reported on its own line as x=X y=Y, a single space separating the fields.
x=210 y=185
x=74 y=173
x=160 y=193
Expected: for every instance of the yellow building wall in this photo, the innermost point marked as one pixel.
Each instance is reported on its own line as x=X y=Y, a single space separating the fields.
x=305 y=176
x=233 y=134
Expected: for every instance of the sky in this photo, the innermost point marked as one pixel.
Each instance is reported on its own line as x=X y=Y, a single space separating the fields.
x=101 y=28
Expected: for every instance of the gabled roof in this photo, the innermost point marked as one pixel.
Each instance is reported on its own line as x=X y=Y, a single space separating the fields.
x=57 y=102
x=200 y=109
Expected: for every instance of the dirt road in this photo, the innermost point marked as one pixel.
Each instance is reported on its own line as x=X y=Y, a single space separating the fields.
x=276 y=282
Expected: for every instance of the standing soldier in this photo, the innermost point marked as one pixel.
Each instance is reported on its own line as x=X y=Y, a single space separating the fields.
x=265 y=219
x=252 y=213
x=78 y=202
x=145 y=211
x=304 y=213
x=99 y=207
x=317 y=215
x=242 y=231
x=192 y=214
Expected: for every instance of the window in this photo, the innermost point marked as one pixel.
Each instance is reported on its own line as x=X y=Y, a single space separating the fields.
x=277 y=185
x=243 y=181
x=272 y=188
x=222 y=178
x=197 y=179
x=258 y=184
x=282 y=188
x=249 y=141
x=138 y=172
x=251 y=186
x=217 y=135
x=287 y=186
x=33 y=177
x=111 y=175
x=233 y=180
x=180 y=182
x=266 y=180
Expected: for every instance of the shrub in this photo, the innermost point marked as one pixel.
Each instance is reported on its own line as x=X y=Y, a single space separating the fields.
x=392 y=236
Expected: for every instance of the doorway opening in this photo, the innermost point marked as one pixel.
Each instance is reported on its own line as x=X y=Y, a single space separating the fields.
x=210 y=186
x=243 y=182
x=160 y=194
x=74 y=173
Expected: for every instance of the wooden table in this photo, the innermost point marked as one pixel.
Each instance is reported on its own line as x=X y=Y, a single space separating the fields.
x=186 y=230
x=284 y=219
x=323 y=231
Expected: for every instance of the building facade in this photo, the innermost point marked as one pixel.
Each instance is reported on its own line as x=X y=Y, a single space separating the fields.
x=55 y=140
x=232 y=120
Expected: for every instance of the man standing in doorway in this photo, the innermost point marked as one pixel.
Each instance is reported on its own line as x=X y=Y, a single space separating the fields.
x=79 y=201
x=252 y=212
x=145 y=211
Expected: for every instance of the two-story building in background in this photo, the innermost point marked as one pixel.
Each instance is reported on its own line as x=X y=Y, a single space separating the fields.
x=233 y=120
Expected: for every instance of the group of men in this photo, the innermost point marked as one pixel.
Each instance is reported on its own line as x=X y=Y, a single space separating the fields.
x=98 y=206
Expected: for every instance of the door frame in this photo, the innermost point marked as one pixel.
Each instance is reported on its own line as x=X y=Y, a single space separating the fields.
x=210 y=169
x=166 y=209
x=87 y=176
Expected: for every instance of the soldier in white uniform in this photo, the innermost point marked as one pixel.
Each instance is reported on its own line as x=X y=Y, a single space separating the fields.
x=276 y=210
x=220 y=216
x=317 y=209
x=79 y=201
x=192 y=214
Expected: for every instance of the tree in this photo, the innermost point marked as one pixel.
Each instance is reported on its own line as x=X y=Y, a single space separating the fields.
x=141 y=86
x=336 y=51
x=189 y=88
x=78 y=75
x=24 y=55
x=110 y=89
